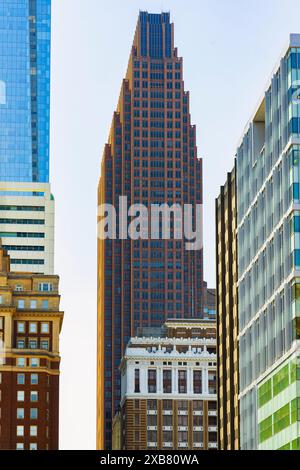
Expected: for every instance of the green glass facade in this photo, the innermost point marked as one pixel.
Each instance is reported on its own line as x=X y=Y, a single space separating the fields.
x=279 y=408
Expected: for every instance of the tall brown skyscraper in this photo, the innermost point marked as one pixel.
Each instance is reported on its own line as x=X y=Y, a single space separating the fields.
x=227 y=315
x=30 y=323
x=150 y=157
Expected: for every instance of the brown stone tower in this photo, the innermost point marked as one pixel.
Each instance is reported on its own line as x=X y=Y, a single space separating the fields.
x=150 y=157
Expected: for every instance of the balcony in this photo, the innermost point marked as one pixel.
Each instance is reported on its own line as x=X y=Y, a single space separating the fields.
x=183 y=444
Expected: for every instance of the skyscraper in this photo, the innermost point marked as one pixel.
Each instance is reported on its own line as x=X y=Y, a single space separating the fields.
x=150 y=157
x=26 y=203
x=268 y=261
x=227 y=315
x=30 y=323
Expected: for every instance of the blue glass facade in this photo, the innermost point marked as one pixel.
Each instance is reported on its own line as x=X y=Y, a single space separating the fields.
x=25 y=28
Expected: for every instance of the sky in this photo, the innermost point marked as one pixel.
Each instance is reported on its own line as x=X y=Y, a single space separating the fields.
x=229 y=48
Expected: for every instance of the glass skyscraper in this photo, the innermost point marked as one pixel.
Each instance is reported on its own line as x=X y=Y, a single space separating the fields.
x=26 y=202
x=24 y=90
x=268 y=232
x=151 y=158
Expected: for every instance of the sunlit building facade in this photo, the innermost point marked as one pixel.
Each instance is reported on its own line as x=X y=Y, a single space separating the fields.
x=30 y=325
x=169 y=386
x=227 y=315
x=150 y=157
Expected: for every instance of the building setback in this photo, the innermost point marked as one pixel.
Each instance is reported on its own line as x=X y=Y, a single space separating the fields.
x=30 y=323
x=227 y=315
x=150 y=157
x=26 y=232
x=169 y=388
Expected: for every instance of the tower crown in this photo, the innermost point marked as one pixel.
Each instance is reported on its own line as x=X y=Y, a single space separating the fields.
x=154 y=35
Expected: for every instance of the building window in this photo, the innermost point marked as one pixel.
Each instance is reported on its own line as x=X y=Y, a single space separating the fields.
x=45 y=327
x=1 y=302
x=136 y=404
x=21 y=379
x=167 y=381
x=32 y=327
x=152 y=380
x=182 y=436
x=18 y=288
x=20 y=395
x=45 y=344
x=212 y=437
x=136 y=380
x=136 y=419
x=20 y=344
x=21 y=327
x=33 y=446
x=20 y=413
x=212 y=382
x=34 y=379
x=198 y=436
x=182 y=384
x=212 y=421
x=45 y=287
x=21 y=303
x=152 y=436
x=167 y=405
x=21 y=362
x=33 y=413
x=167 y=420
x=33 y=304
x=33 y=430
x=182 y=405
x=20 y=446
x=33 y=396
x=182 y=420
x=167 y=436
x=198 y=420
x=20 y=430
x=33 y=344
x=34 y=362
x=197 y=376
x=45 y=304
x=151 y=404
x=212 y=406
x=151 y=420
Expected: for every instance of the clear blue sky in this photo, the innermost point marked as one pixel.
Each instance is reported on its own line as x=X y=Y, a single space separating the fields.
x=229 y=49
